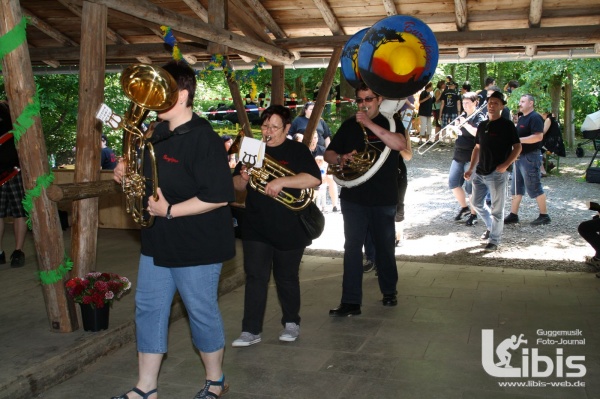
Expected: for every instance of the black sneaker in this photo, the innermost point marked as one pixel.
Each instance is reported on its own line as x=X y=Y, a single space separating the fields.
x=490 y=247
x=345 y=310
x=2 y=258
x=511 y=218
x=17 y=259
x=485 y=235
x=461 y=213
x=471 y=221
x=542 y=219
x=368 y=266
x=390 y=300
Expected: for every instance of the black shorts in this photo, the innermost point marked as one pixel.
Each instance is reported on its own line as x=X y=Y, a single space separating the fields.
x=11 y=197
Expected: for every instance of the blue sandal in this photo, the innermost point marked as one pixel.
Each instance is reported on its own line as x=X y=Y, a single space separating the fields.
x=144 y=395
x=205 y=393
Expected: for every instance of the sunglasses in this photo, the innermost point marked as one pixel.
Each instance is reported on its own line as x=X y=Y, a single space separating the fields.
x=366 y=100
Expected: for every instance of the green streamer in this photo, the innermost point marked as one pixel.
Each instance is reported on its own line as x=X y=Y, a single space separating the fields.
x=13 y=38
x=25 y=120
x=56 y=275
x=43 y=181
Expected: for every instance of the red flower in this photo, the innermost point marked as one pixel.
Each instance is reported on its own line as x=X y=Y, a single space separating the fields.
x=97 y=289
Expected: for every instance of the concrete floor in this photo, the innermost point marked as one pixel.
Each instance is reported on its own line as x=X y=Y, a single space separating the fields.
x=429 y=346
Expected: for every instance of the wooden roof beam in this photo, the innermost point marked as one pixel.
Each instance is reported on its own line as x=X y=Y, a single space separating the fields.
x=329 y=17
x=461 y=13
x=110 y=34
x=198 y=9
x=218 y=12
x=249 y=27
x=475 y=39
x=48 y=30
x=535 y=13
x=151 y=12
x=390 y=7
x=267 y=19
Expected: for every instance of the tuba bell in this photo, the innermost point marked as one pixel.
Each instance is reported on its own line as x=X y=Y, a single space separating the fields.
x=150 y=88
x=396 y=57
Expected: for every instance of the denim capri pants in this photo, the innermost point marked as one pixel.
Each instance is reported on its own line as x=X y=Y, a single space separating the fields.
x=527 y=175
x=456 y=177
x=197 y=286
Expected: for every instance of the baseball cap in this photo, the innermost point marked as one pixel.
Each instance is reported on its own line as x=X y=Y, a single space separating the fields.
x=498 y=95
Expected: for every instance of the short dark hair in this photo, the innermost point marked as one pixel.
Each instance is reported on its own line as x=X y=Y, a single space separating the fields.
x=489 y=80
x=185 y=77
x=513 y=83
x=283 y=112
x=362 y=86
x=466 y=86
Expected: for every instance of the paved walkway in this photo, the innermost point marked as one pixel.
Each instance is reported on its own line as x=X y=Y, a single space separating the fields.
x=429 y=346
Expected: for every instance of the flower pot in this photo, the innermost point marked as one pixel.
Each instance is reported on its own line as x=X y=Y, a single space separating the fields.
x=94 y=319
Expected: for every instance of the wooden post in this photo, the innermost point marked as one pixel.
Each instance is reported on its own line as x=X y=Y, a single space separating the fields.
x=89 y=130
x=47 y=233
x=323 y=94
x=568 y=127
x=277 y=85
x=238 y=102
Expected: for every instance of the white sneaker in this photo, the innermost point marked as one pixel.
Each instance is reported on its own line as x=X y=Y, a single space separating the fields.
x=290 y=333
x=246 y=339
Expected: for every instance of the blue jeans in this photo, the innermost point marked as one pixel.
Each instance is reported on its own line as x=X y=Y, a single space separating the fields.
x=495 y=182
x=197 y=286
x=380 y=221
x=527 y=175
x=456 y=177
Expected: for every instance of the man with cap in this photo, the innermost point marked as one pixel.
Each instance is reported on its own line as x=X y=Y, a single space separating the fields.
x=108 y=160
x=527 y=175
x=451 y=106
x=497 y=146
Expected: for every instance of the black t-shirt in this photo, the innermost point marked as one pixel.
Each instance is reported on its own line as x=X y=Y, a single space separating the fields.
x=528 y=125
x=450 y=100
x=268 y=220
x=192 y=162
x=300 y=123
x=382 y=187
x=108 y=160
x=496 y=139
x=425 y=106
x=463 y=147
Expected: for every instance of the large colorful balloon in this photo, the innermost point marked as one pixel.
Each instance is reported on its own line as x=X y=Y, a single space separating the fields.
x=397 y=56
x=349 y=59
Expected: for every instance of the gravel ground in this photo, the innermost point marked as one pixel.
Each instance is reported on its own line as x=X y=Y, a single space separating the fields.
x=432 y=235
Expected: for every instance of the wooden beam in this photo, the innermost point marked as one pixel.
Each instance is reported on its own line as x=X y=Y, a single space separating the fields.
x=473 y=39
x=198 y=9
x=329 y=17
x=78 y=191
x=531 y=50
x=110 y=34
x=597 y=48
x=48 y=30
x=277 y=85
x=238 y=102
x=217 y=17
x=87 y=161
x=264 y=15
x=47 y=234
x=238 y=15
x=461 y=13
x=313 y=121
x=390 y=7
x=535 y=13
x=463 y=52
x=151 y=12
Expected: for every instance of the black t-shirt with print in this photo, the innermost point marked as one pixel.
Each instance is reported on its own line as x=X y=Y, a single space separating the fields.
x=450 y=99
x=191 y=162
x=266 y=219
x=528 y=125
x=382 y=187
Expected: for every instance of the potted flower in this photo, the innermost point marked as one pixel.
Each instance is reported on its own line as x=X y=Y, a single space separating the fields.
x=95 y=293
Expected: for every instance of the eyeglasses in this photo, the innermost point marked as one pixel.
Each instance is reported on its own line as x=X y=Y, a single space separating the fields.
x=366 y=100
x=267 y=128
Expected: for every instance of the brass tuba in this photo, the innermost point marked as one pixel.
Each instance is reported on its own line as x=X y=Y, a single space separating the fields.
x=270 y=170
x=150 y=88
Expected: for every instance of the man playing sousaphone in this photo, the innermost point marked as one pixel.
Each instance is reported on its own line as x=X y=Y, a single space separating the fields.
x=370 y=205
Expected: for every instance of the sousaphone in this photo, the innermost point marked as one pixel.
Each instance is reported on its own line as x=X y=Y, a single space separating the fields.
x=396 y=57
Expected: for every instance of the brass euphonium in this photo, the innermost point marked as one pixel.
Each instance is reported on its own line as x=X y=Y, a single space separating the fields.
x=150 y=88
x=270 y=170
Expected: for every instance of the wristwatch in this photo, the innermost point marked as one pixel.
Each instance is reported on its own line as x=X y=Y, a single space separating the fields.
x=169 y=216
